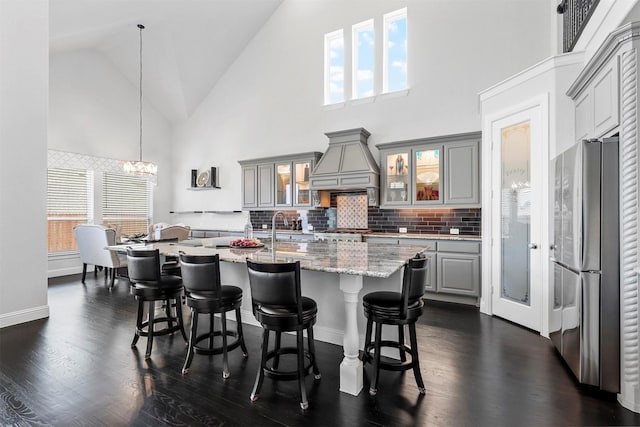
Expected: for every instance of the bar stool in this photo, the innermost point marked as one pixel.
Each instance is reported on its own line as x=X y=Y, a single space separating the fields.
x=148 y=285
x=206 y=295
x=279 y=306
x=396 y=308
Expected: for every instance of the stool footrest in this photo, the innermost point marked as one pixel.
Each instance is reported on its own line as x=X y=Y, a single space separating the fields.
x=156 y=332
x=387 y=363
x=202 y=349
x=288 y=375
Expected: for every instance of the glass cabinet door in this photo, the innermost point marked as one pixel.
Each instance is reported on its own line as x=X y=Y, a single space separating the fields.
x=428 y=175
x=283 y=184
x=396 y=182
x=301 y=193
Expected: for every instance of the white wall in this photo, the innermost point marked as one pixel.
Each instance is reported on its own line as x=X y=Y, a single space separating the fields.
x=94 y=109
x=270 y=100
x=23 y=160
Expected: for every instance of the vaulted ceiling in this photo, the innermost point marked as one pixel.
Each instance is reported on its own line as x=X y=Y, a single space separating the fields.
x=187 y=44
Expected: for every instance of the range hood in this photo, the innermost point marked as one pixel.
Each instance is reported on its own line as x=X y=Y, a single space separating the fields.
x=347 y=165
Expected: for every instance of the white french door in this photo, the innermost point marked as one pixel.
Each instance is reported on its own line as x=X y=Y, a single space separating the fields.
x=518 y=153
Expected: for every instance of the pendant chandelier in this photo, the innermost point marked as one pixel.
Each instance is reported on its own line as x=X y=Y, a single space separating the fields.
x=140 y=168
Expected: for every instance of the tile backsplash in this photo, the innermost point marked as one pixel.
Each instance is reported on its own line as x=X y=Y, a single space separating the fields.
x=425 y=221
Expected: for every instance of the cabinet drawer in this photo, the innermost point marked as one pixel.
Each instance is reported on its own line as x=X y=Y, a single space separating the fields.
x=460 y=247
x=431 y=245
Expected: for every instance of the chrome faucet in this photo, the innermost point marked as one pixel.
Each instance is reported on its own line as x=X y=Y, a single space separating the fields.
x=273 y=227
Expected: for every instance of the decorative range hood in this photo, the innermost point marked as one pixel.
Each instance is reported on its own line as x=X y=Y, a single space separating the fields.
x=347 y=165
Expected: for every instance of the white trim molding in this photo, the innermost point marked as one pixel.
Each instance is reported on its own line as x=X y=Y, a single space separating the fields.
x=23 y=316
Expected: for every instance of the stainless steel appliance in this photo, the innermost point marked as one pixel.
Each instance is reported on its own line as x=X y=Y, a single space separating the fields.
x=585 y=261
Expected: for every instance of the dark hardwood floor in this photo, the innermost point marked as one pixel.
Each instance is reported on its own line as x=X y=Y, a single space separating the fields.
x=77 y=368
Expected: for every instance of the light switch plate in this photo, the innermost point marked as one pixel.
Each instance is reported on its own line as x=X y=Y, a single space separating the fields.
x=454 y=231
x=402 y=230
x=264 y=226
x=309 y=227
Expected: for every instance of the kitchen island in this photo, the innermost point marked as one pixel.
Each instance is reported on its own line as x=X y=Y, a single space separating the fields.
x=333 y=273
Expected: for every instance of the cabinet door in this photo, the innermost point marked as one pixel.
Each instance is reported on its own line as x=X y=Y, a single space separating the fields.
x=462 y=176
x=301 y=192
x=431 y=284
x=458 y=273
x=249 y=186
x=605 y=99
x=395 y=178
x=283 y=184
x=265 y=186
x=427 y=175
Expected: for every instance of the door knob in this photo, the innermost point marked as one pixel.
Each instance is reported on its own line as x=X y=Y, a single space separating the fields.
x=533 y=246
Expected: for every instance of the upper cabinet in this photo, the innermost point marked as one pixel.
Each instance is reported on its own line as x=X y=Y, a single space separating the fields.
x=597 y=104
x=438 y=172
x=278 y=182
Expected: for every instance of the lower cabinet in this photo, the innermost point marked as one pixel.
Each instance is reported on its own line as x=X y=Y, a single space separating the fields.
x=458 y=274
x=454 y=266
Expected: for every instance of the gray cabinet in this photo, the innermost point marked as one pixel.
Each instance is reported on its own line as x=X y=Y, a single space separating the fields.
x=265 y=186
x=459 y=268
x=462 y=173
x=250 y=186
x=431 y=172
x=278 y=182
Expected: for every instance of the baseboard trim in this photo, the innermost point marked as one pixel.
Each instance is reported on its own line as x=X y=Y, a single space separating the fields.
x=68 y=271
x=23 y=316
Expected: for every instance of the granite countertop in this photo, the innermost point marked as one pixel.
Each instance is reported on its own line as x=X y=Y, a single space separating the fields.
x=355 y=258
x=267 y=232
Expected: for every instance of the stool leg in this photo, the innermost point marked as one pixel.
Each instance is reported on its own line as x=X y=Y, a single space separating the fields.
x=263 y=364
x=304 y=404
x=180 y=319
x=152 y=309
x=373 y=389
x=136 y=337
x=414 y=357
x=403 y=356
x=367 y=341
x=240 y=334
x=192 y=341
x=212 y=317
x=225 y=362
x=167 y=311
x=312 y=352
x=276 y=358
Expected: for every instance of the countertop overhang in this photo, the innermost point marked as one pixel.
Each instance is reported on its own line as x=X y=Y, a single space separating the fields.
x=354 y=258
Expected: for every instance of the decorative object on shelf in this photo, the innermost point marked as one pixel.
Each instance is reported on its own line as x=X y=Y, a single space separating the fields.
x=140 y=167
x=194 y=177
x=203 y=178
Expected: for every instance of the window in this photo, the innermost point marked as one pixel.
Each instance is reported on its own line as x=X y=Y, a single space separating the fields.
x=69 y=203
x=363 y=39
x=334 y=67
x=88 y=189
x=127 y=201
x=394 y=64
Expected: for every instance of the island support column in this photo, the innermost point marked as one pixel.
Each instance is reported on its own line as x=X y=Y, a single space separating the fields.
x=351 y=366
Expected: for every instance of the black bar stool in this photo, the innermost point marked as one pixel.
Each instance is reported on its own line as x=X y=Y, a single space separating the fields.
x=396 y=308
x=148 y=285
x=279 y=306
x=206 y=295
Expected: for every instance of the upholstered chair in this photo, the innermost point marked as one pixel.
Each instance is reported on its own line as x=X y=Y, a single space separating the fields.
x=92 y=240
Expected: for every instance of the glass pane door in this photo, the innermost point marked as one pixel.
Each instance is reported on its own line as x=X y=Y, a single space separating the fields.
x=283 y=184
x=428 y=175
x=516 y=212
x=301 y=188
x=397 y=178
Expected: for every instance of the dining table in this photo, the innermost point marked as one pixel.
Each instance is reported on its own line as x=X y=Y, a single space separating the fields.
x=329 y=270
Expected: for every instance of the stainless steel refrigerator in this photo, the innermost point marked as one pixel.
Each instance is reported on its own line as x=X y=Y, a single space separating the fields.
x=585 y=261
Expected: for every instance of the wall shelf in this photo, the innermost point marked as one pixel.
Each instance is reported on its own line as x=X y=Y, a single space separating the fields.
x=203 y=212
x=208 y=187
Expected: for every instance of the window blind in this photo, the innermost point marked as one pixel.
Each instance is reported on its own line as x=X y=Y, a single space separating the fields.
x=69 y=203
x=127 y=201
